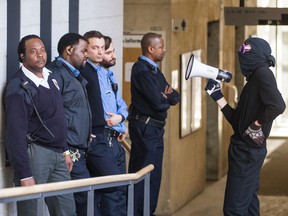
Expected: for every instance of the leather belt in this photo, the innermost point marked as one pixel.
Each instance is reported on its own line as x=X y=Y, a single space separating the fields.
x=149 y=120
x=110 y=132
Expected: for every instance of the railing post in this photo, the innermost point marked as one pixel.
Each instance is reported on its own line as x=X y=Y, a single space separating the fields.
x=90 y=202
x=40 y=206
x=130 y=201
x=147 y=195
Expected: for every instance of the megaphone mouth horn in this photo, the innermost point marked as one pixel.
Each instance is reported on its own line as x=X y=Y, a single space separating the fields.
x=197 y=69
x=189 y=67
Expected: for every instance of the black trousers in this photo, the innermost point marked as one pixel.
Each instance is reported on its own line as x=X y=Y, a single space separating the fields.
x=108 y=158
x=241 y=194
x=146 y=148
x=80 y=171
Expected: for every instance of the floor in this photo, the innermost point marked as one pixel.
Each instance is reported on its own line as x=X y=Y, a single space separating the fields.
x=273 y=192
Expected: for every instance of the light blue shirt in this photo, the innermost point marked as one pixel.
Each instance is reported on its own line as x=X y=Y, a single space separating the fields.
x=72 y=68
x=112 y=102
x=150 y=62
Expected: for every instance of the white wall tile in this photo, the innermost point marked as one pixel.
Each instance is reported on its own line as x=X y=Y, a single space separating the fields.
x=30 y=17
x=3 y=38
x=60 y=24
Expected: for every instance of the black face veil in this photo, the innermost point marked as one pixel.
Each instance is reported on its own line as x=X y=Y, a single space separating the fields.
x=256 y=53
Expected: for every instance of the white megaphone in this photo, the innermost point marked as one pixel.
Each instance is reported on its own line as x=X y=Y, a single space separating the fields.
x=197 y=69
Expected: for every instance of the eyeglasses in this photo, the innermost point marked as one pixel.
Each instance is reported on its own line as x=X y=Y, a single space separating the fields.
x=245 y=47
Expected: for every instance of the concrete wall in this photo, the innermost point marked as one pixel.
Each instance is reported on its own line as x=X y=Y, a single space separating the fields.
x=105 y=16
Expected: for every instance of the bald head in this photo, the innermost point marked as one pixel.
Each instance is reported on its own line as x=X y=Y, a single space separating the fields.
x=148 y=40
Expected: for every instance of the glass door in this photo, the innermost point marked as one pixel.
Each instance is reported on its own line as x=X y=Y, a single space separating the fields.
x=277 y=36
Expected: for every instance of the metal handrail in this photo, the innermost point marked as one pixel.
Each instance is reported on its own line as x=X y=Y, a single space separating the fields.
x=41 y=191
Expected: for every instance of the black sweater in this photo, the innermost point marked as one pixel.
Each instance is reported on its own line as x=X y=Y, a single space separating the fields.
x=260 y=100
x=21 y=120
x=94 y=96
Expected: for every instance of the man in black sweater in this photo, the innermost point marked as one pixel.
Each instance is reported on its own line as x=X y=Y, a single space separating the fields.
x=151 y=97
x=36 y=128
x=260 y=103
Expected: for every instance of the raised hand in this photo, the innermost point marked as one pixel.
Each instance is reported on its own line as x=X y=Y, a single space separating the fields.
x=213 y=88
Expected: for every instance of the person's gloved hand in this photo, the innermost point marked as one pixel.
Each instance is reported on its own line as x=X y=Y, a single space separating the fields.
x=213 y=89
x=255 y=133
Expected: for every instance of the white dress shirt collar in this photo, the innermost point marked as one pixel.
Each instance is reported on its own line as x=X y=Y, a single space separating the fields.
x=38 y=81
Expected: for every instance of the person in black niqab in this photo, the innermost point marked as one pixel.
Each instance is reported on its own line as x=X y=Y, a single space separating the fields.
x=259 y=104
x=253 y=53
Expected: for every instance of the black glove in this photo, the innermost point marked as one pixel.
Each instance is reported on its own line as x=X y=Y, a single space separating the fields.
x=255 y=133
x=213 y=89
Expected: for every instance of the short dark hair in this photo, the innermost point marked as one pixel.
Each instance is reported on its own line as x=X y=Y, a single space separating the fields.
x=69 y=39
x=108 y=41
x=147 y=40
x=93 y=34
x=22 y=47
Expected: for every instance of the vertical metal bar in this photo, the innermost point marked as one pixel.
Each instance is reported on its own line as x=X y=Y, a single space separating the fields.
x=13 y=36
x=90 y=202
x=46 y=25
x=40 y=206
x=74 y=16
x=130 y=200
x=147 y=195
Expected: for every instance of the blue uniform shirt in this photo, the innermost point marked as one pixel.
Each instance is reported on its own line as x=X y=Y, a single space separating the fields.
x=73 y=69
x=150 y=62
x=111 y=102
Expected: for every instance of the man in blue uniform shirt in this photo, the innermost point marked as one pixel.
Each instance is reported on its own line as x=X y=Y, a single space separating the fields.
x=106 y=155
x=151 y=97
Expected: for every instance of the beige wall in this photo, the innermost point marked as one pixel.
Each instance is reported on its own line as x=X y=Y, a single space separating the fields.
x=184 y=171
x=187 y=157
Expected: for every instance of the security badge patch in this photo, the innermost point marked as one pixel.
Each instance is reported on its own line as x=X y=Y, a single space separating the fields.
x=56 y=84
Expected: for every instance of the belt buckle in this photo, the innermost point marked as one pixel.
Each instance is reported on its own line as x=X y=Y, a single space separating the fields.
x=137 y=117
x=147 y=120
